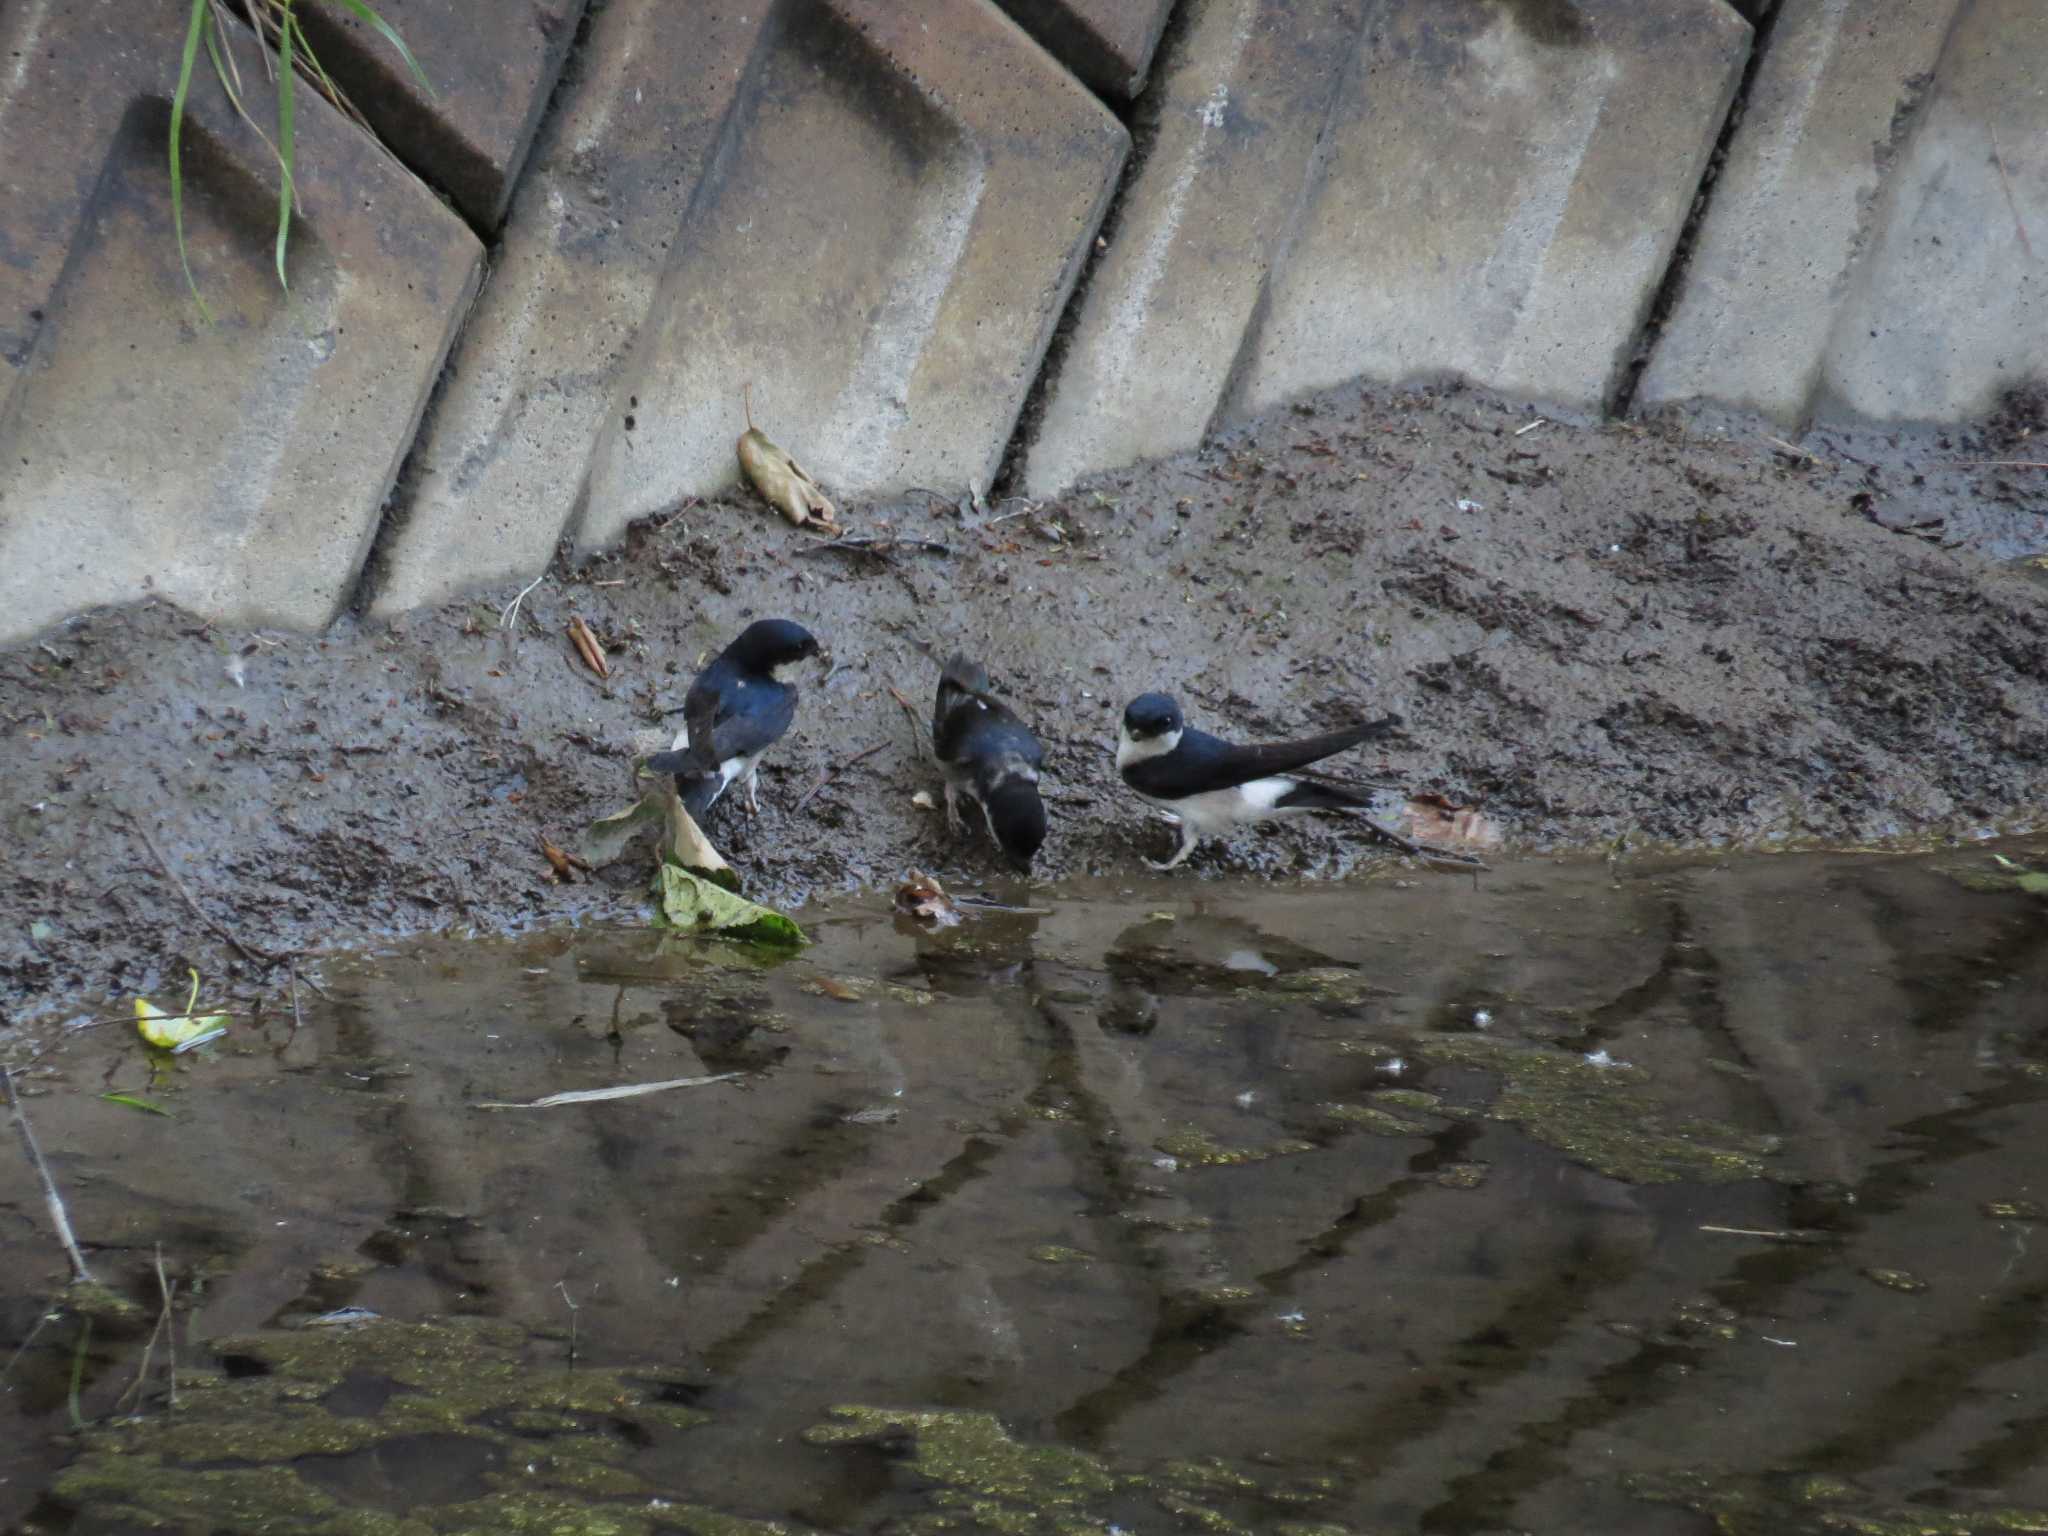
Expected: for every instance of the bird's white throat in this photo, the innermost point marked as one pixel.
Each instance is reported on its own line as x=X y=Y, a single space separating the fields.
x=1130 y=750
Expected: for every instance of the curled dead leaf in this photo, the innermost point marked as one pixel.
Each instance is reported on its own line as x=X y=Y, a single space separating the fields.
x=585 y=640
x=785 y=484
x=565 y=863
x=1434 y=819
x=925 y=899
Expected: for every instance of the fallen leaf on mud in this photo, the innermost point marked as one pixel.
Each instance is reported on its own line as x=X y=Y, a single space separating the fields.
x=1431 y=818
x=565 y=864
x=622 y=1091
x=607 y=838
x=687 y=902
x=587 y=647
x=834 y=988
x=785 y=484
x=178 y=1033
x=926 y=900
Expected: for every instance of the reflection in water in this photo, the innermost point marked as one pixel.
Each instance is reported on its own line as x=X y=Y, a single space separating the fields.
x=1578 y=1200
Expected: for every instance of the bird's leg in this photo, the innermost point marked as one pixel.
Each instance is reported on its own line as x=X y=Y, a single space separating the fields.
x=1187 y=846
x=753 y=790
x=952 y=809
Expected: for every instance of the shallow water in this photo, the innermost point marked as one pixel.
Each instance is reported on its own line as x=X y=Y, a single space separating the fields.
x=1568 y=1198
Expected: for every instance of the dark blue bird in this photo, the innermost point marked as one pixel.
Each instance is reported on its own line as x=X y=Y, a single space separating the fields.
x=991 y=756
x=734 y=712
x=1209 y=785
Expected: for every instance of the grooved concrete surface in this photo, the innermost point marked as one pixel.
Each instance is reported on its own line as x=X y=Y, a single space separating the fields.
x=873 y=219
x=239 y=468
x=1108 y=43
x=1792 y=208
x=1490 y=192
x=491 y=64
x=875 y=214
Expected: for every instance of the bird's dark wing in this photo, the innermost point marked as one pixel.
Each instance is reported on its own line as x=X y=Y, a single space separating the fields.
x=981 y=729
x=1203 y=763
x=750 y=720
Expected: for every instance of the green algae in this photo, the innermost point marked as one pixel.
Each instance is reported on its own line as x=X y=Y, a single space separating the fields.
x=1461 y=1175
x=1195 y=1147
x=230 y=1457
x=1603 y=1116
x=1779 y=1505
x=1410 y=1098
x=1057 y=1253
x=1375 y=1122
x=1895 y=1280
x=1330 y=985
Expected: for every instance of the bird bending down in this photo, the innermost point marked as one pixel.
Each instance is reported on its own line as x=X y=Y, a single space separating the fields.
x=989 y=755
x=734 y=712
x=1208 y=785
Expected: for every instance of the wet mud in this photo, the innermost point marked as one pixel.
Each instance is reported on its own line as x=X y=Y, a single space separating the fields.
x=1677 y=1197
x=1604 y=638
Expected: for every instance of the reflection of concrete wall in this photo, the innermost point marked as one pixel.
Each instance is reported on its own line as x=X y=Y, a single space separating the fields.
x=951 y=1179
x=876 y=215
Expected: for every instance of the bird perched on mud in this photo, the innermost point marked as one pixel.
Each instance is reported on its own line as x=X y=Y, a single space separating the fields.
x=991 y=755
x=1209 y=785
x=734 y=712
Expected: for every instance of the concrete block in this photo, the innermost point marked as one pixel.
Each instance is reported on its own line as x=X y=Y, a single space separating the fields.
x=239 y=468
x=872 y=214
x=1501 y=189
x=1243 y=97
x=905 y=208
x=1950 y=310
x=492 y=65
x=1791 y=209
x=1108 y=43
x=631 y=145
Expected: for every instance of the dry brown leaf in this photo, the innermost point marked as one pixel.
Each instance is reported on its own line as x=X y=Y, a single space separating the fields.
x=1434 y=819
x=925 y=899
x=785 y=484
x=585 y=641
x=565 y=867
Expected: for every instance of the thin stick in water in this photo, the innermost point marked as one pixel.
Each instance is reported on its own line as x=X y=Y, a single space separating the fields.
x=59 y=1217
x=836 y=769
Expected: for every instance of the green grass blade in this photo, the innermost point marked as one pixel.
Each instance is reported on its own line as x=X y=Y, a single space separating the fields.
x=390 y=35
x=287 y=105
x=193 y=29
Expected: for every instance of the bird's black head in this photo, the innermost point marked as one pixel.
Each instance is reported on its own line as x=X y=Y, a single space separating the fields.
x=1151 y=715
x=1018 y=816
x=769 y=643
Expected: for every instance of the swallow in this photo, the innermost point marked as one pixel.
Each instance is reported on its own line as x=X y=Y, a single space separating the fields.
x=991 y=756
x=1208 y=785
x=734 y=712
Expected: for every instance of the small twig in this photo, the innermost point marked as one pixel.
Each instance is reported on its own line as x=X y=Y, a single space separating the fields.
x=2006 y=463
x=78 y=1374
x=149 y=1345
x=512 y=608
x=563 y=1287
x=1003 y=517
x=258 y=956
x=880 y=549
x=169 y=1289
x=298 y=1019
x=917 y=734
x=2018 y=223
x=836 y=769
x=1540 y=421
x=50 y=1315
x=59 y=1217
x=1792 y=450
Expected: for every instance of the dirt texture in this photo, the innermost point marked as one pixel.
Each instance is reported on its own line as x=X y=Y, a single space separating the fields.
x=1597 y=635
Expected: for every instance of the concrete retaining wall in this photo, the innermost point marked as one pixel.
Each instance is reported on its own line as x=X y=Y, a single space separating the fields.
x=877 y=216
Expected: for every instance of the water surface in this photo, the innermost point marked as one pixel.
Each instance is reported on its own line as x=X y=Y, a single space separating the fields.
x=1569 y=1198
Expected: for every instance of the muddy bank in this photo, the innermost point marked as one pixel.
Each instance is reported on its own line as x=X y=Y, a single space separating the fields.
x=1596 y=635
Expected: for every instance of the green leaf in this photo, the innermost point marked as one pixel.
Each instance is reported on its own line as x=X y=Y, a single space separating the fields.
x=689 y=903
x=2034 y=882
x=606 y=838
x=390 y=35
x=287 y=107
x=135 y=1103
x=201 y=16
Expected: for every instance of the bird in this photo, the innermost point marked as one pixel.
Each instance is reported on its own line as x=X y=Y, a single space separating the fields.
x=991 y=756
x=1209 y=785
x=734 y=712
